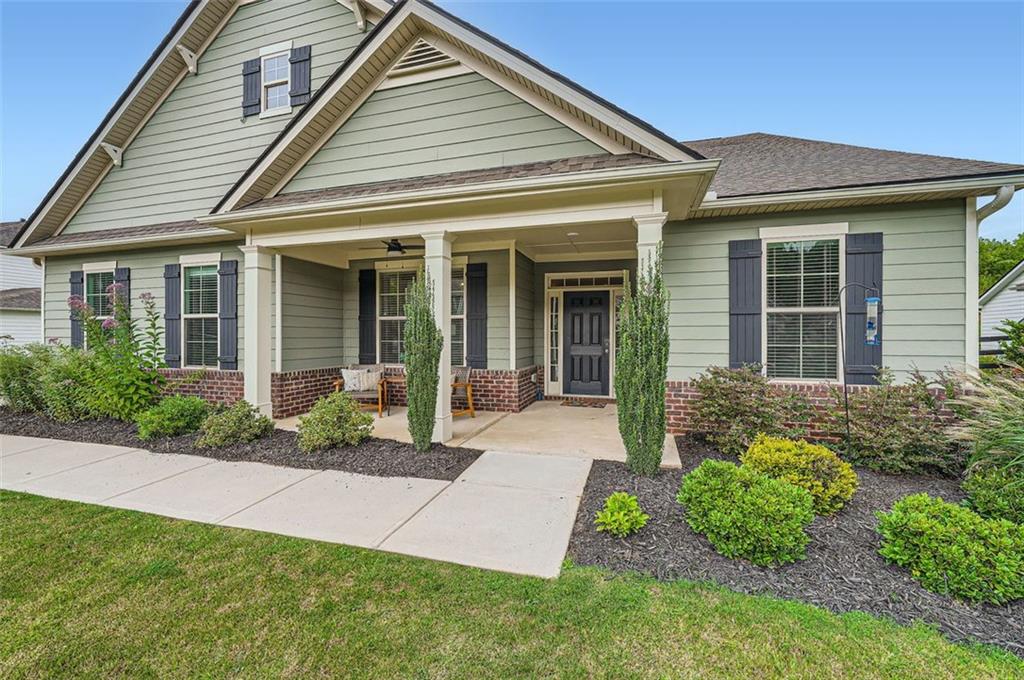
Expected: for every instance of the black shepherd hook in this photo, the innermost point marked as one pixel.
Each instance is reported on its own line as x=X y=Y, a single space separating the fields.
x=842 y=350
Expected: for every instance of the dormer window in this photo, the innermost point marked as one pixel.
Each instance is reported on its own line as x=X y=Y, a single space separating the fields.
x=276 y=81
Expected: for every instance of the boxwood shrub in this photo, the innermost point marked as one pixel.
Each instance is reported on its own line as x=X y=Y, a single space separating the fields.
x=171 y=417
x=335 y=420
x=238 y=424
x=996 y=493
x=746 y=514
x=621 y=515
x=953 y=550
x=830 y=481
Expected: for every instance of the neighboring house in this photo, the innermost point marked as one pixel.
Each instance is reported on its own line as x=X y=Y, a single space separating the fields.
x=20 y=279
x=1004 y=300
x=279 y=171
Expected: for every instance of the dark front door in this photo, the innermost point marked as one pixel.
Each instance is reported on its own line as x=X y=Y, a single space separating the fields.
x=586 y=343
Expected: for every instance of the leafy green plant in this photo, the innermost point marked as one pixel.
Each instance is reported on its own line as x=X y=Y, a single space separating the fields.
x=20 y=368
x=733 y=406
x=830 y=481
x=991 y=412
x=1011 y=348
x=641 y=366
x=952 y=550
x=335 y=420
x=237 y=424
x=895 y=428
x=423 y=344
x=621 y=515
x=173 y=416
x=746 y=514
x=996 y=493
x=65 y=386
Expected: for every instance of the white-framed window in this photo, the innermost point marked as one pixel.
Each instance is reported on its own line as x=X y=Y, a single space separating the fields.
x=802 y=279
x=275 y=77
x=199 y=317
x=392 y=293
x=96 y=284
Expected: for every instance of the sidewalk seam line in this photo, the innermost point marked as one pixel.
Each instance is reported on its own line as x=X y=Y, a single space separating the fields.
x=156 y=481
x=479 y=432
x=270 y=495
x=408 y=519
x=76 y=467
x=48 y=442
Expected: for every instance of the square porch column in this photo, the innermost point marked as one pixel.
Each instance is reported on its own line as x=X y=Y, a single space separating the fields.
x=257 y=366
x=438 y=270
x=648 y=236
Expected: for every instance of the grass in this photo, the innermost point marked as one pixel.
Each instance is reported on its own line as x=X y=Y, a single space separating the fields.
x=88 y=591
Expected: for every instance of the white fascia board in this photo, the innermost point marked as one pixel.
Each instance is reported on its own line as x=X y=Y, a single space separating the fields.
x=1002 y=283
x=121 y=244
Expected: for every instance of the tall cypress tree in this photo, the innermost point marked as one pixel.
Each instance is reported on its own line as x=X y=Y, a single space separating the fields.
x=423 y=342
x=641 y=367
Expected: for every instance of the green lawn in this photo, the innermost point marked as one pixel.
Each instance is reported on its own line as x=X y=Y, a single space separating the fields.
x=87 y=591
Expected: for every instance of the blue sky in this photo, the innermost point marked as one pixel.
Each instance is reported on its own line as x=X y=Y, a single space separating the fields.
x=941 y=78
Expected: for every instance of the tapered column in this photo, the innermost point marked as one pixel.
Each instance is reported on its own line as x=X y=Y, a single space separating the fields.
x=648 y=237
x=258 y=294
x=438 y=269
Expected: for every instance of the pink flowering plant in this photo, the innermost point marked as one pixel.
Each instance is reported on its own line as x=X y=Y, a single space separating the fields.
x=124 y=377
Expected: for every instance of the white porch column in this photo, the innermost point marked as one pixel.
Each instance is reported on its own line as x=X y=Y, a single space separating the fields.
x=438 y=261
x=258 y=292
x=648 y=236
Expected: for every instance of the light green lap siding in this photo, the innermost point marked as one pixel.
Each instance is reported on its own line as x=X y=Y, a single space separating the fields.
x=497 y=307
x=923 y=277
x=460 y=123
x=524 y=311
x=147 y=276
x=312 y=324
x=196 y=145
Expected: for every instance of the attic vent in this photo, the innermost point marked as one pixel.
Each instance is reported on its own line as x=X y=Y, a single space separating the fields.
x=421 y=57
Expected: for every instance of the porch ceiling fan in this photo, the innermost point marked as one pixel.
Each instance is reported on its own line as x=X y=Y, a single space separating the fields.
x=396 y=247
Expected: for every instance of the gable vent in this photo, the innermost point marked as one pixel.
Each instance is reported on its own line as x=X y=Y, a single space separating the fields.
x=421 y=56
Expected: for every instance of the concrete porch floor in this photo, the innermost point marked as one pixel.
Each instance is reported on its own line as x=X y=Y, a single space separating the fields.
x=544 y=427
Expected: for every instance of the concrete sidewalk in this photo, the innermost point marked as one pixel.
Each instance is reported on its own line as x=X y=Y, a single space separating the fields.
x=508 y=511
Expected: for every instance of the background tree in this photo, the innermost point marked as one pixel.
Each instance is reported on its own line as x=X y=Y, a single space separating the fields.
x=996 y=257
x=641 y=366
x=423 y=342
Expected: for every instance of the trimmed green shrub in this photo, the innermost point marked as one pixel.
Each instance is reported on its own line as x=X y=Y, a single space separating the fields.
x=20 y=368
x=641 y=366
x=423 y=343
x=952 y=550
x=1012 y=346
x=736 y=405
x=830 y=481
x=746 y=514
x=238 y=424
x=621 y=515
x=65 y=386
x=173 y=416
x=996 y=493
x=335 y=420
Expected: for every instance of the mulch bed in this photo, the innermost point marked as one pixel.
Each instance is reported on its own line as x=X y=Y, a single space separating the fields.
x=843 y=571
x=377 y=457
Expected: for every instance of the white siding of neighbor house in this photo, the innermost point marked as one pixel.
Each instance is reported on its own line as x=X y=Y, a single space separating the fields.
x=1006 y=304
x=18 y=327
x=19 y=272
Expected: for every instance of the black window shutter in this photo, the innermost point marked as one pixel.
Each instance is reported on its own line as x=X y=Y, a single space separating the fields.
x=864 y=267
x=476 y=315
x=123 y=276
x=228 y=314
x=77 y=290
x=300 y=63
x=744 y=302
x=367 y=316
x=172 y=315
x=251 y=87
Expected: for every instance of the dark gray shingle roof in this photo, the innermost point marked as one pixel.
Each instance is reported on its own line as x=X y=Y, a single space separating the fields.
x=9 y=232
x=760 y=163
x=20 y=298
x=183 y=227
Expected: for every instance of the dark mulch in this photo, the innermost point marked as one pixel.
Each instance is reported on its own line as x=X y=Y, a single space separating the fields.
x=378 y=457
x=843 y=571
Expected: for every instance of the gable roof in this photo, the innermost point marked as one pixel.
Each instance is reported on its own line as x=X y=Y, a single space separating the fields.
x=345 y=89
x=9 y=231
x=1015 y=273
x=20 y=299
x=760 y=163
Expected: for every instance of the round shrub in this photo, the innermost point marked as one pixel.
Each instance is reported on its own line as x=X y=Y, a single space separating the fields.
x=171 y=417
x=830 y=481
x=621 y=515
x=996 y=493
x=953 y=550
x=238 y=424
x=335 y=420
x=746 y=514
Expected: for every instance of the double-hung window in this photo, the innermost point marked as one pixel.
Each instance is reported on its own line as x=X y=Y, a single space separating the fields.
x=276 y=71
x=458 y=316
x=96 y=296
x=393 y=289
x=802 y=282
x=200 y=314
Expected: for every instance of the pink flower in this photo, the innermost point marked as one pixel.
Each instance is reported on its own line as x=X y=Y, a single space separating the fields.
x=53 y=340
x=115 y=289
x=108 y=324
x=146 y=297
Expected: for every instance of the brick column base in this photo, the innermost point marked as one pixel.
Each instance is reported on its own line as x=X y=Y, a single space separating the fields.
x=295 y=392
x=493 y=389
x=222 y=387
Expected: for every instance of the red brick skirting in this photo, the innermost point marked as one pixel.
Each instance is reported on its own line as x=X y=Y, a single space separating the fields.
x=224 y=387
x=295 y=392
x=493 y=390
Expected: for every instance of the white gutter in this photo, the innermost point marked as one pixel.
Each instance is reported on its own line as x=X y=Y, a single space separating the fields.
x=1003 y=197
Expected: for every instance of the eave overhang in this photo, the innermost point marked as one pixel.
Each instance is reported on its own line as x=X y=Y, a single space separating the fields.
x=211 y=234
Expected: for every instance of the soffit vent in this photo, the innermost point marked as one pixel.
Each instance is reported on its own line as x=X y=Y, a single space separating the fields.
x=422 y=56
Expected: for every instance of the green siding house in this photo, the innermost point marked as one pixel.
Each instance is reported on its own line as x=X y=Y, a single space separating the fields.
x=280 y=170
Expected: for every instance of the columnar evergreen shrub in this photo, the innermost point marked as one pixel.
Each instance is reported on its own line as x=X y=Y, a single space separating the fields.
x=621 y=515
x=64 y=380
x=829 y=480
x=996 y=493
x=950 y=549
x=746 y=514
x=237 y=424
x=423 y=343
x=173 y=416
x=641 y=367
x=735 y=405
x=20 y=368
x=335 y=420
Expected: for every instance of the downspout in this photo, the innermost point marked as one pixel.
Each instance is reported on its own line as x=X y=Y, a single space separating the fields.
x=1003 y=197
x=973 y=316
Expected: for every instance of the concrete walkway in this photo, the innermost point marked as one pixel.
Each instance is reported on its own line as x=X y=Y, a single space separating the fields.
x=508 y=511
